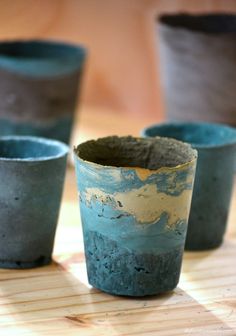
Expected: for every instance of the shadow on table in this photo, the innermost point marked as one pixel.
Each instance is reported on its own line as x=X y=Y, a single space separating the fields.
x=57 y=300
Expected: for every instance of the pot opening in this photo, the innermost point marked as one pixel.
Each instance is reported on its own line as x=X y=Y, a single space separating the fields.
x=30 y=148
x=206 y=23
x=136 y=152
x=197 y=134
x=39 y=50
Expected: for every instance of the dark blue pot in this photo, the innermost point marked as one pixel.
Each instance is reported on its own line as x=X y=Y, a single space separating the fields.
x=39 y=84
x=32 y=174
x=216 y=145
x=135 y=199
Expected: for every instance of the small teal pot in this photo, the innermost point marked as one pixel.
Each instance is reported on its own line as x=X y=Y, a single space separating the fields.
x=135 y=198
x=32 y=173
x=39 y=85
x=216 y=146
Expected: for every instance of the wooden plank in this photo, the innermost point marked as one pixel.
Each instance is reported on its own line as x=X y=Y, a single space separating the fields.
x=57 y=300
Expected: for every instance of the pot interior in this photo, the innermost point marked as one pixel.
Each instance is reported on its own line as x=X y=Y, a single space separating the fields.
x=147 y=153
x=36 y=49
x=206 y=23
x=29 y=148
x=197 y=134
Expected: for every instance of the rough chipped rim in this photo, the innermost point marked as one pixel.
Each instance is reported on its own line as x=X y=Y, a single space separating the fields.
x=153 y=171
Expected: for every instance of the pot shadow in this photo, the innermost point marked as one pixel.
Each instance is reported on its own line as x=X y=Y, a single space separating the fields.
x=194 y=261
x=55 y=299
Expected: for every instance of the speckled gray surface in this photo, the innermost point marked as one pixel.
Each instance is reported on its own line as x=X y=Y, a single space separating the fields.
x=32 y=174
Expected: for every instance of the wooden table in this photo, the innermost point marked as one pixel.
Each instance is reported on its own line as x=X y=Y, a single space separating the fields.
x=57 y=300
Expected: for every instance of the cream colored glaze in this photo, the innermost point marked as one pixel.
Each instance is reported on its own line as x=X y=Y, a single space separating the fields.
x=143 y=173
x=146 y=204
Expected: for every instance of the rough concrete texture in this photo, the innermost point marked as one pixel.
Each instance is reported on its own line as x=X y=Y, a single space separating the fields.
x=32 y=174
x=121 y=271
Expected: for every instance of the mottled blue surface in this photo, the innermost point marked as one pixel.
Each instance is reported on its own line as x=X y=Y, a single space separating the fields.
x=129 y=179
x=124 y=255
x=59 y=128
x=121 y=271
x=216 y=145
x=32 y=173
x=40 y=58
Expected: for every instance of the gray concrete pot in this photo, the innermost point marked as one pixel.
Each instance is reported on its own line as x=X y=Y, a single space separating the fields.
x=32 y=174
x=39 y=84
x=198 y=66
x=135 y=198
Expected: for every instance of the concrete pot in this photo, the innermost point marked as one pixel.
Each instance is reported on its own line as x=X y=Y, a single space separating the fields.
x=39 y=83
x=32 y=174
x=198 y=66
x=135 y=197
x=216 y=146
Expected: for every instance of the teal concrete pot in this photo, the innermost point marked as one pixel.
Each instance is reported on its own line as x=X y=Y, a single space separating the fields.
x=39 y=84
x=135 y=198
x=216 y=146
x=32 y=173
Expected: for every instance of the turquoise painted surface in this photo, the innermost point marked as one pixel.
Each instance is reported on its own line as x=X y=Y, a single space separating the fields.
x=134 y=221
x=59 y=128
x=103 y=209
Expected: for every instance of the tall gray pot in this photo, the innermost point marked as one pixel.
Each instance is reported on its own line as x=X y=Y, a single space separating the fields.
x=198 y=64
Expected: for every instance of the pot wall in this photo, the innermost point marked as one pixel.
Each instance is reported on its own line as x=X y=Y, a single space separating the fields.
x=134 y=226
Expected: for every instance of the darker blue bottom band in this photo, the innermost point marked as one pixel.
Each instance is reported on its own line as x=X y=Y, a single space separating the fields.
x=120 y=271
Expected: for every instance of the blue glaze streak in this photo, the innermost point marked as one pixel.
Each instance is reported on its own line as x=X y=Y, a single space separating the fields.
x=127 y=179
x=122 y=228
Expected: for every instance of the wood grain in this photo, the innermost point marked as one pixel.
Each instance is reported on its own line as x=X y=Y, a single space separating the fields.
x=57 y=300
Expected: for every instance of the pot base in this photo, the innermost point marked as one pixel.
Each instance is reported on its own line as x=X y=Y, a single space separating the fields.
x=41 y=261
x=120 y=271
x=202 y=247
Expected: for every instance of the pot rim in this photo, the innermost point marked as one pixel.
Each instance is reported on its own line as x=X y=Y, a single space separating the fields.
x=198 y=124
x=63 y=149
x=165 y=17
x=141 y=169
x=31 y=63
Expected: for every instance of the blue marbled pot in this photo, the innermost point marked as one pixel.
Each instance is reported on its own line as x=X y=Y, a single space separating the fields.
x=39 y=84
x=32 y=174
x=216 y=146
x=135 y=198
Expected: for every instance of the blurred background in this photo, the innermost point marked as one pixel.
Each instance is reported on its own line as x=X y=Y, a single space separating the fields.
x=121 y=80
